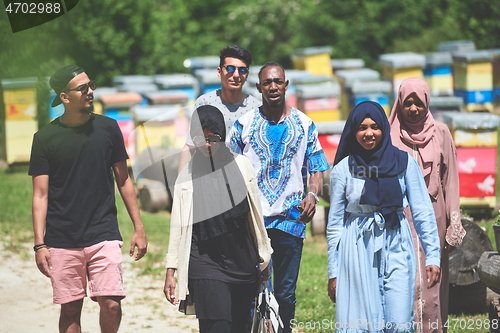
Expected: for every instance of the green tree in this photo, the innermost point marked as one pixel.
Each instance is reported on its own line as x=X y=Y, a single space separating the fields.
x=29 y=53
x=479 y=21
x=111 y=37
x=367 y=28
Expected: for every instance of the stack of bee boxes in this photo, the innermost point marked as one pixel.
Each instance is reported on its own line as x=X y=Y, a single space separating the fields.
x=438 y=73
x=473 y=79
x=21 y=122
x=315 y=60
x=496 y=77
x=400 y=66
x=475 y=136
x=318 y=97
x=359 y=85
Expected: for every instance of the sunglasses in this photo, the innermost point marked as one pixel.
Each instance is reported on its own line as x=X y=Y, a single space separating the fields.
x=84 y=88
x=230 y=69
x=212 y=139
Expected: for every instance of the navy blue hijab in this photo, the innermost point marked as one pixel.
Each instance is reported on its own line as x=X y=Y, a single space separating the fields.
x=380 y=166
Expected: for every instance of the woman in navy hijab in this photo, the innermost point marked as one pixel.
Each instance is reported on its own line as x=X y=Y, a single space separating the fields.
x=371 y=261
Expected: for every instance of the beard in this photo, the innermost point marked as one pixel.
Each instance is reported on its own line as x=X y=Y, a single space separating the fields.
x=87 y=109
x=276 y=104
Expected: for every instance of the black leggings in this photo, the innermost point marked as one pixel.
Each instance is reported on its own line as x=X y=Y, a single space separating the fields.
x=224 y=307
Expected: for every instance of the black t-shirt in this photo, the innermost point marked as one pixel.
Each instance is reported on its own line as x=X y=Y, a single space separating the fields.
x=230 y=257
x=81 y=203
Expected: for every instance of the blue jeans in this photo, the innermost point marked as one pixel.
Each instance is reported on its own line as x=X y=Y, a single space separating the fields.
x=285 y=264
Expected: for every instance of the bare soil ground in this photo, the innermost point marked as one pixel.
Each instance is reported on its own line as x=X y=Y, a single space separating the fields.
x=26 y=302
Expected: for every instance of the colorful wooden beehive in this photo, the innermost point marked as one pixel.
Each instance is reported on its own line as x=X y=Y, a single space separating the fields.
x=438 y=73
x=292 y=75
x=473 y=79
x=457 y=46
x=207 y=79
x=204 y=69
x=21 y=111
x=117 y=106
x=329 y=134
x=184 y=82
x=400 y=66
x=496 y=76
x=159 y=127
x=318 y=97
x=315 y=60
x=209 y=62
x=164 y=97
x=360 y=85
x=475 y=136
x=439 y=105
x=375 y=91
x=346 y=64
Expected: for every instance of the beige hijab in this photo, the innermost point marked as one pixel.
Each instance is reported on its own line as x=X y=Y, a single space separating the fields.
x=420 y=134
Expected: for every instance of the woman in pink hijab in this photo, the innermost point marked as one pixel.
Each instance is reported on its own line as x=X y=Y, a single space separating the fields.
x=413 y=129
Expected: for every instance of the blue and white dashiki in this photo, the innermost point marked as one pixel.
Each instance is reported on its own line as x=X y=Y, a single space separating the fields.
x=281 y=154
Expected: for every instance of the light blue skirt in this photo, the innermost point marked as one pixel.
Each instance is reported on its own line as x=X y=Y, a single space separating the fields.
x=376 y=276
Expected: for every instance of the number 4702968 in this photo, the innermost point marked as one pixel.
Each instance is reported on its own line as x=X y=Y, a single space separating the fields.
x=33 y=8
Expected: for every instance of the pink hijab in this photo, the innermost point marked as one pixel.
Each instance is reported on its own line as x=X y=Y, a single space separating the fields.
x=420 y=134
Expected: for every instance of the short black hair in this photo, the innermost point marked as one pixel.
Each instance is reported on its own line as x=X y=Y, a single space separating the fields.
x=270 y=64
x=235 y=51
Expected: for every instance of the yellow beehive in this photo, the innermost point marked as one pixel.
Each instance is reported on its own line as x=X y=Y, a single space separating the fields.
x=21 y=120
x=473 y=107
x=475 y=137
x=400 y=74
x=478 y=201
x=478 y=76
x=440 y=85
x=18 y=139
x=400 y=66
x=162 y=127
x=324 y=115
x=20 y=104
x=315 y=60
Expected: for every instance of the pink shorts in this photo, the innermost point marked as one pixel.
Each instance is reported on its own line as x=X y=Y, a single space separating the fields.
x=100 y=263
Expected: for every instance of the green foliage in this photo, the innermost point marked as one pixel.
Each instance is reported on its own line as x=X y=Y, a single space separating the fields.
x=15 y=213
x=157 y=231
x=29 y=53
x=110 y=37
x=16 y=192
x=479 y=19
x=496 y=215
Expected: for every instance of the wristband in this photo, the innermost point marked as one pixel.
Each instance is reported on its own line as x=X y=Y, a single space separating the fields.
x=39 y=246
x=316 y=199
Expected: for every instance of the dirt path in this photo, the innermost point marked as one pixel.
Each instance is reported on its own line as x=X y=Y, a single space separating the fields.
x=26 y=302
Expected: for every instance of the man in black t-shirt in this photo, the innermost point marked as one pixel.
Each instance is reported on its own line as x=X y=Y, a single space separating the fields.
x=72 y=163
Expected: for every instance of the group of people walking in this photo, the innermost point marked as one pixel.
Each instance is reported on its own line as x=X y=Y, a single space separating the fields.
x=249 y=179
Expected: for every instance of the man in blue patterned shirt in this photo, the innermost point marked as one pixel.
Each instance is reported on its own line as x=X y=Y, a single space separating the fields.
x=282 y=144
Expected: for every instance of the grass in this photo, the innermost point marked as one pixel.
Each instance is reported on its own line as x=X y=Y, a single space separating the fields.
x=315 y=312
x=15 y=213
x=157 y=232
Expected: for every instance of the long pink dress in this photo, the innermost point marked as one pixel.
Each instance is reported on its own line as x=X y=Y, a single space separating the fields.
x=435 y=153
